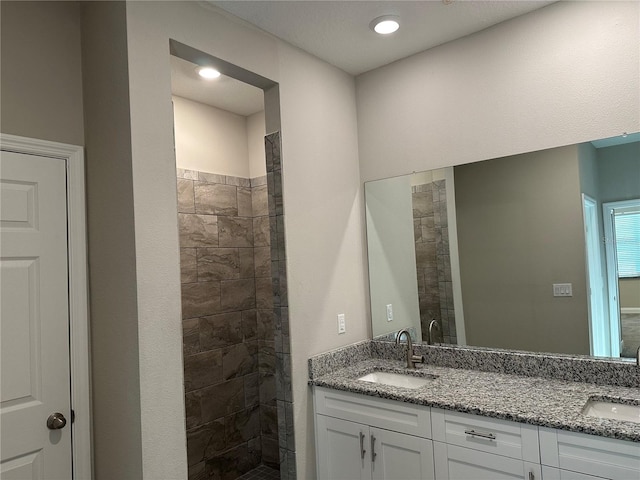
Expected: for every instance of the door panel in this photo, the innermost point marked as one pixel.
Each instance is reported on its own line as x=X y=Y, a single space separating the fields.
x=339 y=449
x=34 y=322
x=399 y=456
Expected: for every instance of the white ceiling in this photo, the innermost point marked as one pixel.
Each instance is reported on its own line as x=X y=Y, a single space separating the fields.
x=338 y=31
x=224 y=92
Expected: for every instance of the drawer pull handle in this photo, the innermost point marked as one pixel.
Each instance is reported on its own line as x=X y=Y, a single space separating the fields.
x=532 y=476
x=373 y=448
x=362 y=450
x=473 y=433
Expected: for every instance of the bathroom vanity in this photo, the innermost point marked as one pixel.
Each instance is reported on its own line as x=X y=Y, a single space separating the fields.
x=467 y=424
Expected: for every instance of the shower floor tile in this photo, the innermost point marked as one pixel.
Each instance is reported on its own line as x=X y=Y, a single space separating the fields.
x=261 y=473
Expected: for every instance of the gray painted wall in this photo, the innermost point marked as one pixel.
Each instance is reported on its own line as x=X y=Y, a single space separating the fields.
x=520 y=230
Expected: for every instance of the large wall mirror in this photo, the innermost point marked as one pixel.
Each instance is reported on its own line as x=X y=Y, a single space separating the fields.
x=537 y=252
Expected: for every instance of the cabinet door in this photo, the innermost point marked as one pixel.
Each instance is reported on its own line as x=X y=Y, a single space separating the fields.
x=343 y=449
x=458 y=463
x=550 y=473
x=397 y=456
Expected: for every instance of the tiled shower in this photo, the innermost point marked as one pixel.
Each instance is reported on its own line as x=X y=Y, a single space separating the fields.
x=235 y=322
x=433 y=261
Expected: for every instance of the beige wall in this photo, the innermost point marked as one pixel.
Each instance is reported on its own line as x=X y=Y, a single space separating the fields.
x=629 y=292
x=209 y=139
x=256 y=131
x=41 y=77
x=113 y=280
x=520 y=230
x=323 y=209
x=538 y=81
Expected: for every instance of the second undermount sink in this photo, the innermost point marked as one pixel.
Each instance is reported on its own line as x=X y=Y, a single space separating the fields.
x=613 y=410
x=397 y=379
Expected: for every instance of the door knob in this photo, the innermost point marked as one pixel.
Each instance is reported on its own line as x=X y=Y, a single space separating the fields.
x=56 y=421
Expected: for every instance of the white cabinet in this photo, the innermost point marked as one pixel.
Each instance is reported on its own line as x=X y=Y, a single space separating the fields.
x=472 y=447
x=363 y=438
x=459 y=463
x=550 y=473
x=351 y=445
x=591 y=455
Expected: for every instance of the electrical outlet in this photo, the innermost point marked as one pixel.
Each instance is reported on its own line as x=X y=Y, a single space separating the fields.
x=390 y=312
x=342 y=326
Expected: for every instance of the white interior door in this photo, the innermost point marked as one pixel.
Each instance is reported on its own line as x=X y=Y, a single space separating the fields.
x=34 y=321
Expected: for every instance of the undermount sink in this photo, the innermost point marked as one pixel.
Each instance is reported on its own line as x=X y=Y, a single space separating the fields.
x=397 y=379
x=613 y=410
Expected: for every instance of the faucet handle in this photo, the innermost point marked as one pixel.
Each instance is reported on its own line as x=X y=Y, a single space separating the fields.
x=416 y=359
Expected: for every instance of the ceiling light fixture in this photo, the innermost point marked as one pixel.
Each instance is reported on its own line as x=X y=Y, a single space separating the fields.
x=208 y=73
x=385 y=25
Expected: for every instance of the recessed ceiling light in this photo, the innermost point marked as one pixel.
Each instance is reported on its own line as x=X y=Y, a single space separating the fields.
x=385 y=25
x=208 y=73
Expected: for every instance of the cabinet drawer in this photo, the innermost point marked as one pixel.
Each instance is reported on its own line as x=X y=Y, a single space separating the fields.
x=501 y=437
x=550 y=473
x=377 y=412
x=589 y=454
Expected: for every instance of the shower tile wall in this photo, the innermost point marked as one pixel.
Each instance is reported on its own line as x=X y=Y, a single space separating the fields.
x=228 y=324
x=433 y=262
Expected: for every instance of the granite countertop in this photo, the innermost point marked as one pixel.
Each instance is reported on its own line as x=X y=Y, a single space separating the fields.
x=534 y=400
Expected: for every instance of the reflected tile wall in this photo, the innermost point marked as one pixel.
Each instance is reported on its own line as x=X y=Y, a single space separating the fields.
x=228 y=324
x=433 y=262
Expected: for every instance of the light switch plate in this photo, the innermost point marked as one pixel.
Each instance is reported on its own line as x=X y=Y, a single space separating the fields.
x=562 y=290
x=342 y=326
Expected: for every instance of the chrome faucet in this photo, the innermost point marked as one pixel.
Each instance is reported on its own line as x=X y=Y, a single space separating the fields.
x=638 y=357
x=411 y=358
x=433 y=325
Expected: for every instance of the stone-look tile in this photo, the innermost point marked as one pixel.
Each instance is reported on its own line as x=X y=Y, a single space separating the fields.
x=259 y=201
x=288 y=407
x=242 y=426
x=192 y=409
x=267 y=359
x=197 y=471
x=238 y=181
x=282 y=423
x=215 y=199
x=204 y=441
x=251 y=389
x=202 y=369
x=220 y=330
x=235 y=232
x=233 y=463
x=291 y=465
x=206 y=177
x=257 y=181
x=245 y=208
x=284 y=464
x=247 y=268
x=283 y=377
x=277 y=194
x=188 y=265
x=200 y=299
x=270 y=455
x=268 y=394
x=283 y=291
x=239 y=360
x=280 y=238
x=261 y=231
x=264 y=293
x=186 y=202
x=422 y=204
x=188 y=174
x=238 y=294
x=417 y=230
x=249 y=324
x=269 y=421
x=218 y=264
x=197 y=230
x=222 y=399
x=286 y=338
x=426 y=254
x=262 y=259
x=270 y=199
x=266 y=325
x=190 y=336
